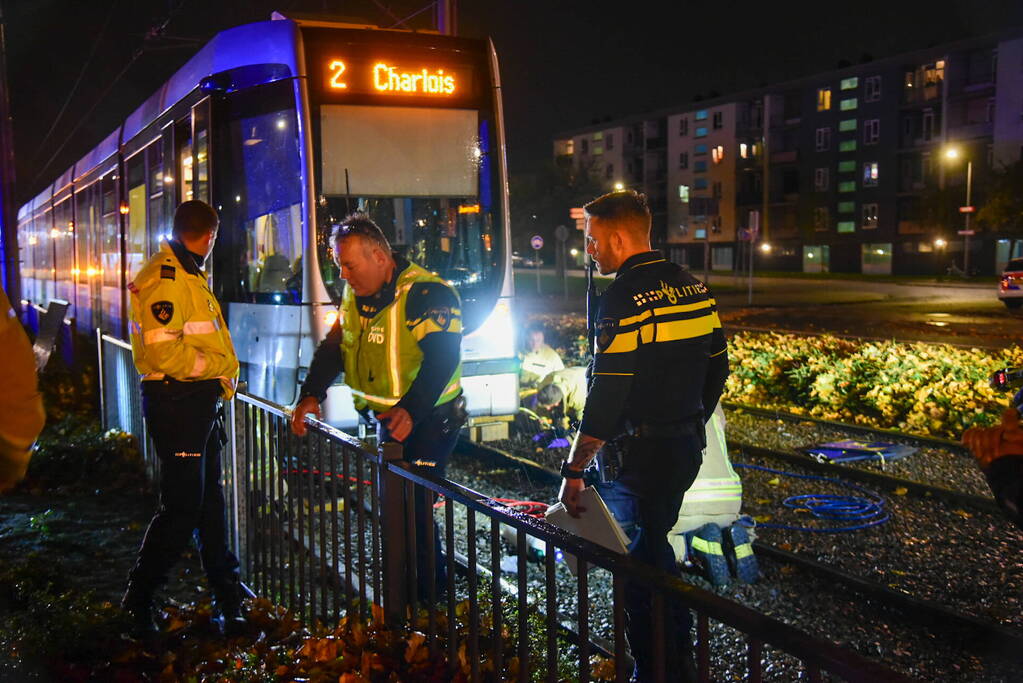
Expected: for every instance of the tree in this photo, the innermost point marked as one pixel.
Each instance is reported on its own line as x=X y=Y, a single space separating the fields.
x=1003 y=210
x=540 y=200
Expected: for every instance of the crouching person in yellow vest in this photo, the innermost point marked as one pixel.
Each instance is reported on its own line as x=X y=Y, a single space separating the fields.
x=21 y=406
x=183 y=351
x=398 y=340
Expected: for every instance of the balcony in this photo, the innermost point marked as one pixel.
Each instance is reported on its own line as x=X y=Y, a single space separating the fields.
x=787 y=157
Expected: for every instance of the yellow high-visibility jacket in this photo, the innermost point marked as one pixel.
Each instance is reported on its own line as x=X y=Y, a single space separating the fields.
x=572 y=382
x=177 y=328
x=535 y=365
x=21 y=406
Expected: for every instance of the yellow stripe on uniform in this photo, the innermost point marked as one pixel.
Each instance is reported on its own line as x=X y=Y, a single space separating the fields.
x=617 y=374
x=624 y=342
x=683 y=308
x=677 y=329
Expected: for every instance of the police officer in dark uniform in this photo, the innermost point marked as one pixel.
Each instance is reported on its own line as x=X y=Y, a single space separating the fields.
x=398 y=340
x=659 y=368
x=183 y=351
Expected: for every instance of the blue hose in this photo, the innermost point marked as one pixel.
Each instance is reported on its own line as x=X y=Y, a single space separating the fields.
x=868 y=510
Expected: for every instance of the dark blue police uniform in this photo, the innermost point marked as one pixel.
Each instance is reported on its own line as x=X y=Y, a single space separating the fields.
x=658 y=371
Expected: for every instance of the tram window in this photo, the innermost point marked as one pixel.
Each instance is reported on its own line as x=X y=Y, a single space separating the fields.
x=201 y=151
x=260 y=237
x=183 y=143
x=26 y=249
x=110 y=255
x=64 y=252
x=45 y=272
x=158 y=221
x=425 y=176
x=86 y=231
x=135 y=182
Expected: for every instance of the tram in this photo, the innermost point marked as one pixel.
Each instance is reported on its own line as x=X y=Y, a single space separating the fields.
x=286 y=126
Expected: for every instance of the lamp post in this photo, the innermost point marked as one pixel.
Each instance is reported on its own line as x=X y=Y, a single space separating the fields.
x=952 y=153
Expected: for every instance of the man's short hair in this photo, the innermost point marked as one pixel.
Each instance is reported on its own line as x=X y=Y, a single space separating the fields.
x=549 y=395
x=627 y=209
x=536 y=327
x=194 y=219
x=360 y=224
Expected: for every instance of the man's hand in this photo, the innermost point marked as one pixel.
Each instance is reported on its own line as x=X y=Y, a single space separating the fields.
x=990 y=443
x=569 y=496
x=309 y=404
x=398 y=421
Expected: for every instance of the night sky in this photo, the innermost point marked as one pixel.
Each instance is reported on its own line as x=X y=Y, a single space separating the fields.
x=564 y=64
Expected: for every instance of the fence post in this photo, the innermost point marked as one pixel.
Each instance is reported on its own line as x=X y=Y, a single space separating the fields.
x=392 y=521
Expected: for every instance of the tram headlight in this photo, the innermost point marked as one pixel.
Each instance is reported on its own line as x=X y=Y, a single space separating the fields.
x=329 y=318
x=495 y=338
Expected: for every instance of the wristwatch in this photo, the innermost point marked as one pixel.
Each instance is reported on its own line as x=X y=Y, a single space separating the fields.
x=570 y=473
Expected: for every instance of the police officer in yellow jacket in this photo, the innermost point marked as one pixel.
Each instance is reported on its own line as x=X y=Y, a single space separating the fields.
x=183 y=351
x=658 y=370
x=398 y=340
x=21 y=407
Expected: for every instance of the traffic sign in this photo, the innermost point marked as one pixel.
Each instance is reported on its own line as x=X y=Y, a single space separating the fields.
x=561 y=233
x=576 y=212
x=536 y=242
x=966 y=232
x=967 y=209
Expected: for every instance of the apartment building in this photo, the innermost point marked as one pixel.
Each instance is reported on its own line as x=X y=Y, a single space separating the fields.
x=858 y=175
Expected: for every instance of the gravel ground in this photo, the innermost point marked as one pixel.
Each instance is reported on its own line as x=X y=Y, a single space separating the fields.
x=947 y=467
x=914 y=552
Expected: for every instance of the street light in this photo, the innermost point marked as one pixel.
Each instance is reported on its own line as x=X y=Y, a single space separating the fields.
x=765 y=247
x=619 y=187
x=939 y=243
x=952 y=153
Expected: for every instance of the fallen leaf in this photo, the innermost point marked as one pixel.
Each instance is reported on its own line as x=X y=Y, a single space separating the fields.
x=901 y=491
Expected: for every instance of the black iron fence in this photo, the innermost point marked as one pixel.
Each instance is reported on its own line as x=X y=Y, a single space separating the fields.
x=326 y=527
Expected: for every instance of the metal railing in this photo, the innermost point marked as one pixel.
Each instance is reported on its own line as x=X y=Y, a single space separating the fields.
x=120 y=398
x=322 y=526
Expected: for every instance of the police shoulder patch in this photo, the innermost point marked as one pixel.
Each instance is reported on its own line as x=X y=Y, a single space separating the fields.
x=606 y=329
x=163 y=311
x=440 y=315
x=167 y=272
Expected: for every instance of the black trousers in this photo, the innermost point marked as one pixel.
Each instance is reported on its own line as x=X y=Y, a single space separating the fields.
x=427 y=450
x=183 y=422
x=645 y=499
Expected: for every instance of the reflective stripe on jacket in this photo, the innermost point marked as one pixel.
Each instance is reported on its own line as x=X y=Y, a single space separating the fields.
x=382 y=355
x=176 y=325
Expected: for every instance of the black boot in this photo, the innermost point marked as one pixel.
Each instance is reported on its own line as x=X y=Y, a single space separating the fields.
x=227 y=609
x=138 y=604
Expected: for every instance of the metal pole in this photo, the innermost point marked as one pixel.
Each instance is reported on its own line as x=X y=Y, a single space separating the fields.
x=752 y=252
x=966 y=240
x=537 y=260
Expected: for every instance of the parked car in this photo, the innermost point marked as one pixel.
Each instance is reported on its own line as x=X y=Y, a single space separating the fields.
x=1010 y=287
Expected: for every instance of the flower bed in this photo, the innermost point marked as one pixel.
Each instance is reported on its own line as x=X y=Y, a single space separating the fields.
x=927 y=389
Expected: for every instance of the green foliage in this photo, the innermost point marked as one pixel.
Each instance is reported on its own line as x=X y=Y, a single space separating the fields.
x=1003 y=210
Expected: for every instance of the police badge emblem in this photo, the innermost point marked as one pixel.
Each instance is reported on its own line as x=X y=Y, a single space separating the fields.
x=606 y=330
x=442 y=316
x=163 y=311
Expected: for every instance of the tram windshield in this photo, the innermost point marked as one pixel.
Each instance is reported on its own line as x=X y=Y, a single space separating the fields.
x=427 y=177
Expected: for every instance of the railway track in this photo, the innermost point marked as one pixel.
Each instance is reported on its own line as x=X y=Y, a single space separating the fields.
x=979 y=631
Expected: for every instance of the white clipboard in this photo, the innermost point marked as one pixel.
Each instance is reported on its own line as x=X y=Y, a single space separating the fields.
x=596 y=525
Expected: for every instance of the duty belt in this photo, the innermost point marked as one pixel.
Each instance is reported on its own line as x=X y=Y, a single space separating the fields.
x=665 y=430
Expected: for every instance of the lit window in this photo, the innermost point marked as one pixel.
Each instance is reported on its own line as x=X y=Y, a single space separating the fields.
x=870 y=174
x=850 y=83
x=701 y=131
x=847 y=125
x=683 y=193
x=700 y=233
x=846 y=207
x=847 y=146
x=570 y=147
x=598 y=136
x=848 y=104
x=743 y=150
x=846 y=226
x=701 y=115
x=847 y=186
x=598 y=149
x=848 y=166
x=823 y=99
x=717 y=154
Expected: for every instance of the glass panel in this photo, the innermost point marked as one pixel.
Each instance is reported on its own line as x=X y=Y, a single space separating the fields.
x=847 y=125
x=427 y=178
x=846 y=207
x=135 y=184
x=846 y=166
x=45 y=269
x=846 y=226
x=850 y=83
x=847 y=146
x=848 y=104
x=847 y=186
x=201 y=151
x=158 y=220
x=110 y=255
x=183 y=143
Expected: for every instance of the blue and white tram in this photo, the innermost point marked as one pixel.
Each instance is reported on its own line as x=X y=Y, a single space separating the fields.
x=286 y=126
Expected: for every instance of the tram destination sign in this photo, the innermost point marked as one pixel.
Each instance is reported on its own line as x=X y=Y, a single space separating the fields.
x=398 y=78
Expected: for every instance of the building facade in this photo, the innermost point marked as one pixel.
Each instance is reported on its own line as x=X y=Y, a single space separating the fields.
x=860 y=169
